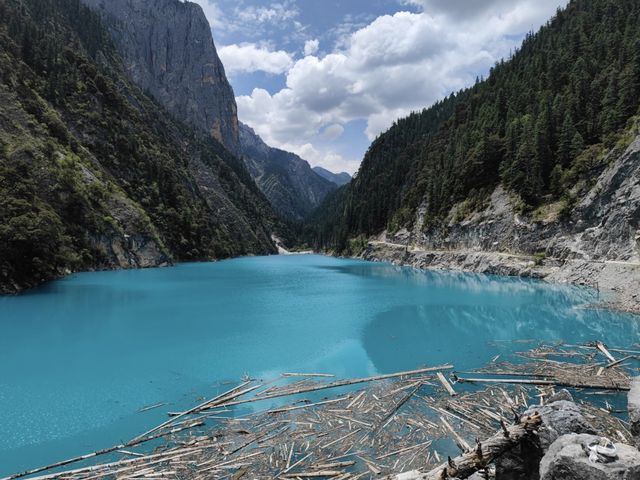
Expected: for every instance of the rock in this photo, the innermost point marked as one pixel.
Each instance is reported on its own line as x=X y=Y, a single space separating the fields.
x=521 y=463
x=633 y=403
x=567 y=459
x=561 y=395
x=168 y=50
x=560 y=416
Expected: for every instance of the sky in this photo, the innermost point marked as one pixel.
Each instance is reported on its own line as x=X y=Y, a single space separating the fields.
x=323 y=78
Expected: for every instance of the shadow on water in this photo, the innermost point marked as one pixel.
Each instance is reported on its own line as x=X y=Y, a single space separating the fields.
x=471 y=336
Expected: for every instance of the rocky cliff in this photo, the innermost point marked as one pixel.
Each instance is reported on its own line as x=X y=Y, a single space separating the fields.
x=290 y=184
x=603 y=224
x=168 y=51
x=95 y=174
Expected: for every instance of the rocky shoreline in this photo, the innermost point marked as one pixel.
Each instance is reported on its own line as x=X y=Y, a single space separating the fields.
x=617 y=282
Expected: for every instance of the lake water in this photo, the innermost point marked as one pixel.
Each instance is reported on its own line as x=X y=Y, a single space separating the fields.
x=79 y=357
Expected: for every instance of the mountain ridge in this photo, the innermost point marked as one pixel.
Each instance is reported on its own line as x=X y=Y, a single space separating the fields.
x=168 y=50
x=94 y=174
x=291 y=185
x=340 y=179
x=541 y=131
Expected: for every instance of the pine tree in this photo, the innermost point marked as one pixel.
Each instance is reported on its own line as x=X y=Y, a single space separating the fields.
x=611 y=114
x=565 y=140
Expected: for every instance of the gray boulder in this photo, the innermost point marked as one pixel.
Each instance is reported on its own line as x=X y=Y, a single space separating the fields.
x=633 y=401
x=560 y=416
x=567 y=459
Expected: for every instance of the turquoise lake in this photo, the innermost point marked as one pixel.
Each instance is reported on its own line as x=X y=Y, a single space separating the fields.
x=81 y=356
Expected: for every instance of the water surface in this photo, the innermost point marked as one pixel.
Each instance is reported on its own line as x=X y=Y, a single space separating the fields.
x=79 y=357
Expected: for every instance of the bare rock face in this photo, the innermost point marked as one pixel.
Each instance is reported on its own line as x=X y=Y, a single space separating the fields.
x=611 y=210
x=168 y=50
x=604 y=225
x=567 y=459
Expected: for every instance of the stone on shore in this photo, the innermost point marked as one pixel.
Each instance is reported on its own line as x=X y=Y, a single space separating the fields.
x=568 y=459
x=560 y=416
x=633 y=401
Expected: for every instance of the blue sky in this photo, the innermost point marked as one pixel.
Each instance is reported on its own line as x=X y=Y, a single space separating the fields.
x=322 y=78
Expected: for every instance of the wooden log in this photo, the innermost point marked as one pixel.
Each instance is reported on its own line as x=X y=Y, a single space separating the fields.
x=104 y=451
x=618 y=350
x=222 y=396
x=618 y=362
x=578 y=383
x=462 y=443
x=337 y=384
x=405 y=449
x=307 y=405
x=445 y=383
x=148 y=459
x=387 y=418
x=600 y=346
x=479 y=458
x=322 y=473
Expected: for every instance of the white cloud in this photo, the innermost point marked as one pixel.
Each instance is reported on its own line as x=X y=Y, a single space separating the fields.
x=332 y=132
x=311 y=47
x=330 y=160
x=248 y=57
x=253 y=23
x=390 y=67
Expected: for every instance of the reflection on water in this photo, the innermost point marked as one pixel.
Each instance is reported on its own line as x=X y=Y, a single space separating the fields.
x=80 y=357
x=467 y=335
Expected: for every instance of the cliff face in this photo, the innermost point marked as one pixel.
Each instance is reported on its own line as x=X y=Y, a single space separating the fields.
x=168 y=51
x=94 y=174
x=290 y=184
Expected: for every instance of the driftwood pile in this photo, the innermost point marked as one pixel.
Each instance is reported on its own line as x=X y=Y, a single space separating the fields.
x=414 y=422
x=549 y=366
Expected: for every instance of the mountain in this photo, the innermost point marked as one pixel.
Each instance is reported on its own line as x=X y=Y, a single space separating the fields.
x=168 y=50
x=94 y=172
x=339 y=179
x=287 y=180
x=535 y=159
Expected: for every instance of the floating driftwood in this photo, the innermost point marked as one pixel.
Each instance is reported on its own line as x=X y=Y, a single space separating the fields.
x=445 y=383
x=479 y=457
x=401 y=422
x=336 y=384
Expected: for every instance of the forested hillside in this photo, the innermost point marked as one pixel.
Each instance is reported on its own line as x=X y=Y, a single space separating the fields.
x=540 y=125
x=95 y=174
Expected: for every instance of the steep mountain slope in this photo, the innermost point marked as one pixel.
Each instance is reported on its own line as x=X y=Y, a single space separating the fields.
x=95 y=174
x=168 y=51
x=532 y=146
x=339 y=179
x=288 y=181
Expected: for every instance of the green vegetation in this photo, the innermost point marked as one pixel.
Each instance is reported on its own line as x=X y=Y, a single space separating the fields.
x=539 y=124
x=539 y=258
x=88 y=160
